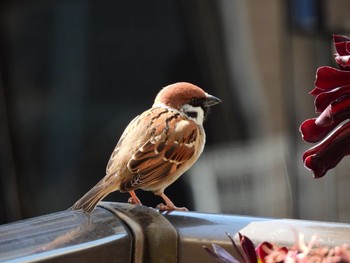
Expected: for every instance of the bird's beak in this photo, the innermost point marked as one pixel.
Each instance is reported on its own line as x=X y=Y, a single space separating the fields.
x=211 y=100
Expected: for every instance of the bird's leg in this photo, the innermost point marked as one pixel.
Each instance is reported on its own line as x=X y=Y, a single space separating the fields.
x=169 y=206
x=134 y=199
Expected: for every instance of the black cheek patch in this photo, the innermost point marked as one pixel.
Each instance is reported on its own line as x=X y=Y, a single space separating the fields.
x=192 y=114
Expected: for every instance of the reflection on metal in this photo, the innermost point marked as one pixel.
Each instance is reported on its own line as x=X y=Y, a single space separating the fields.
x=117 y=232
x=155 y=239
x=66 y=236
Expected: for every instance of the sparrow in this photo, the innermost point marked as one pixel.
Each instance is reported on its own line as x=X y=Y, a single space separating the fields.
x=157 y=147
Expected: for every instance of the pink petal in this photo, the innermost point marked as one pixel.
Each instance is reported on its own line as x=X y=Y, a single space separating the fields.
x=263 y=250
x=340 y=38
x=327 y=154
x=343 y=61
x=337 y=110
x=325 y=98
x=328 y=78
x=341 y=44
x=316 y=91
x=312 y=133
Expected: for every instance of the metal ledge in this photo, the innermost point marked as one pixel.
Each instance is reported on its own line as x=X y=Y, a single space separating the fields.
x=155 y=239
x=198 y=229
x=66 y=236
x=117 y=232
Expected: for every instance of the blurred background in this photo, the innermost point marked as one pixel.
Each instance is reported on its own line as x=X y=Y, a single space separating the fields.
x=74 y=73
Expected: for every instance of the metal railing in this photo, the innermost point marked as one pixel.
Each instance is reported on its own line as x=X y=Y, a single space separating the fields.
x=117 y=232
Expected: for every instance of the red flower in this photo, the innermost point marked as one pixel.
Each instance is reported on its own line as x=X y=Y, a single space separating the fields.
x=332 y=101
x=268 y=252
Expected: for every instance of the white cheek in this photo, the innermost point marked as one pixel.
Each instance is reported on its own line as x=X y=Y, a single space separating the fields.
x=200 y=113
x=200 y=117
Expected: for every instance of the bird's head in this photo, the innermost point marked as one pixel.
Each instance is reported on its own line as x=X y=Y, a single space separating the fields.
x=187 y=98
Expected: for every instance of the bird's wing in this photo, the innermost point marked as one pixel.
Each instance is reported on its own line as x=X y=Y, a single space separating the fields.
x=114 y=161
x=171 y=142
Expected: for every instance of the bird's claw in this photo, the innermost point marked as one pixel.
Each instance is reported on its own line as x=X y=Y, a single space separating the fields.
x=134 y=201
x=168 y=208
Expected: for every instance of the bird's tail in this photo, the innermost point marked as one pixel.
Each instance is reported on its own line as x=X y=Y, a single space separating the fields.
x=90 y=200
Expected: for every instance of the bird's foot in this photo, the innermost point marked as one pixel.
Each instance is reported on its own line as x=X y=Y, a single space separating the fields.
x=134 y=201
x=168 y=208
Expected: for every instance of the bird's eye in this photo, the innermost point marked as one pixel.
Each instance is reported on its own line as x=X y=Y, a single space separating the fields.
x=195 y=102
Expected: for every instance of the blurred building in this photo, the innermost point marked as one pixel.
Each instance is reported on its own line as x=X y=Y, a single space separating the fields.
x=74 y=73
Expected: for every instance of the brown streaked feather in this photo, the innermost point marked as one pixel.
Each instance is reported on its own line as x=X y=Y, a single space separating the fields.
x=89 y=201
x=147 y=155
x=111 y=162
x=163 y=153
